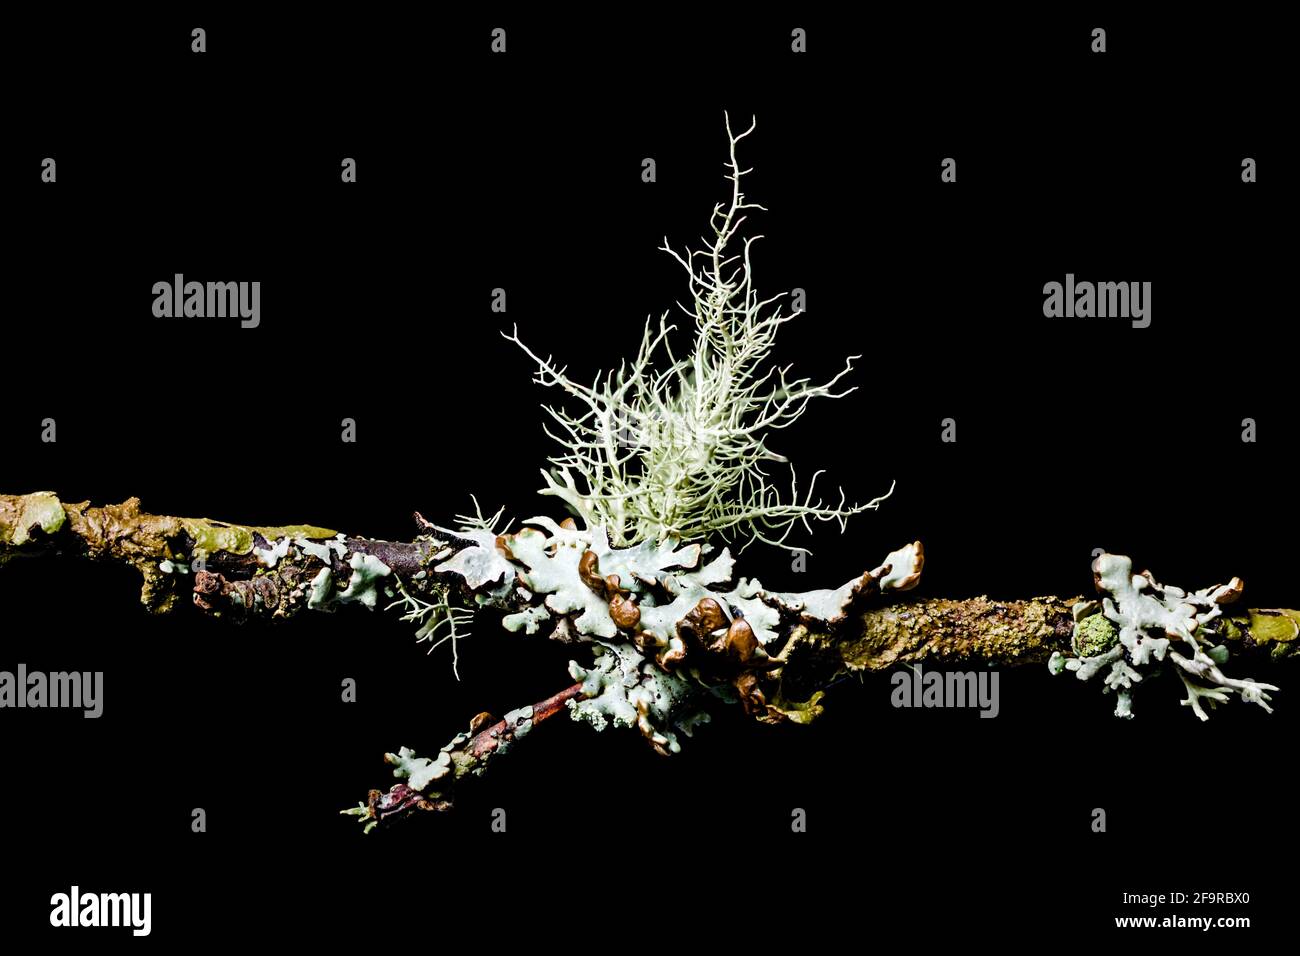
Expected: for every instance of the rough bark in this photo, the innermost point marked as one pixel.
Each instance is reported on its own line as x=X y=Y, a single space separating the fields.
x=231 y=574
x=981 y=630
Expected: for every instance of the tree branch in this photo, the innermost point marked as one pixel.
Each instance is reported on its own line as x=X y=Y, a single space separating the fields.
x=670 y=631
x=468 y=753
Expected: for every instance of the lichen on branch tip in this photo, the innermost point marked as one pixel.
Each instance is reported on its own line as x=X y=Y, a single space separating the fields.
x=1139 y=624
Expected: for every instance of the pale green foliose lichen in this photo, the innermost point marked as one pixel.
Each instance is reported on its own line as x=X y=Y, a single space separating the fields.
x=520 y=721
x=364 y=584
x=480 y=565
x=624 y=688
x=272 y=555
x=544 y=574
x=551 y=563
x=1138 y=627
x=547 y=563
x=529 y=620
x=901 y=571
x=322 y=588
x=315 y=549
x=419 y=772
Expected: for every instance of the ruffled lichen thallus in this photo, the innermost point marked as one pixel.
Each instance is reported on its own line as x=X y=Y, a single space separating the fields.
x=670 y=628
x=1140 y=626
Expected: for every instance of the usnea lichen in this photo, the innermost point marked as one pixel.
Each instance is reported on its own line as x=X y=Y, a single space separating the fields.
x=440 y=620
x=1139 y=624
x=679 y=447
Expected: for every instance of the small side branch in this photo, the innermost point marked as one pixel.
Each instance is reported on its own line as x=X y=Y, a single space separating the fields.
x=429 y=782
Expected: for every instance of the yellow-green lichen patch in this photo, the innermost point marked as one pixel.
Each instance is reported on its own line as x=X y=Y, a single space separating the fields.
x=1279 y=628
x=41 y=510
x=212 y=536
x=295 y=531
x=797 y=712
x=1094 y=635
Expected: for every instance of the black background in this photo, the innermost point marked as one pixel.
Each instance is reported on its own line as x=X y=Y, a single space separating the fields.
x=523 y=172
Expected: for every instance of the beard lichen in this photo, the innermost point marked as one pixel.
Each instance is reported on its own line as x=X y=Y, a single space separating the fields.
x=679 y=447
